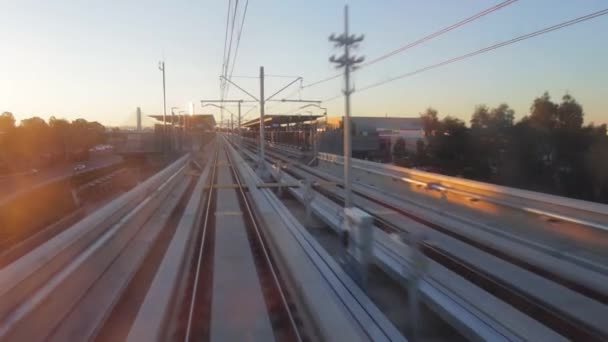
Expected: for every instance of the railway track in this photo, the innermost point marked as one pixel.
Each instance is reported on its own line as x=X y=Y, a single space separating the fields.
x=198 y=317
x=186 y=255
x=544 y=312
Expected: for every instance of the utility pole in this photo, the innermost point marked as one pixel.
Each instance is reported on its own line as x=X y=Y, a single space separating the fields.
x=240 y=138
x=261 y=165
x=347 y=62
x=161 y=67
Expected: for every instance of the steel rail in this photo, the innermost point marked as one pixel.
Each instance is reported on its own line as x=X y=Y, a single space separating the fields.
x=200 y=252
x=263 y=245
x=547 y=310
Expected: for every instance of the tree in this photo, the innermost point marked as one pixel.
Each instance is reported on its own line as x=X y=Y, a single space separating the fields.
x=7 y=122
x=496 y=119
x=97 y=132
x=430 y=121
x=570 y=113
x=420 y=151
x=35 y=137
x=399 y=151
x=543 y=113
x=596 y=160
x=450 y=145
x=61 y=133
x=502 y=117
x=480 y=117
x=489 y=139
x=35 y=142
x=7 y=129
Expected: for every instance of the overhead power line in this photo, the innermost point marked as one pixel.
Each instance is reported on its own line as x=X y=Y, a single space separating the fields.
x=322 y=80
x=422 y=40
x=484 y=50
x=440 y=32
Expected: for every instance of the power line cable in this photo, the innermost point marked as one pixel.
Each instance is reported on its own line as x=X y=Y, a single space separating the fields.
x=422 y=40
x=484 y=50
x=440 y=32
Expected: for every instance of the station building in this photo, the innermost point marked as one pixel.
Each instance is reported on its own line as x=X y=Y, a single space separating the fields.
x=373 y=137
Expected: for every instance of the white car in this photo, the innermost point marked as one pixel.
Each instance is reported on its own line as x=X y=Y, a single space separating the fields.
x=80 y=167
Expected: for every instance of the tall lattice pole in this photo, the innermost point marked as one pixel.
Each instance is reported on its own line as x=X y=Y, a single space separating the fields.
x=348 y=62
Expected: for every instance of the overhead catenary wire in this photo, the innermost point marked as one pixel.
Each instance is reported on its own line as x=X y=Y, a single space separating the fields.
x=265 y=76
x=297 y=90
x=227 y=66
x=282 y=76
x=242 y=76
x=225 y=45
x=421 y=40
x=238 y=38
x=250 y=110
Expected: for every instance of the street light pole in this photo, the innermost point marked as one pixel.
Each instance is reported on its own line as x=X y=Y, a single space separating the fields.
x=161 y=67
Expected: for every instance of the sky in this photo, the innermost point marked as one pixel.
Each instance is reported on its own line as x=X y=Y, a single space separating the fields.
x=98 y=59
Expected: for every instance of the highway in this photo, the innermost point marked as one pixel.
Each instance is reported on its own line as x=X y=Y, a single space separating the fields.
x=12 y=185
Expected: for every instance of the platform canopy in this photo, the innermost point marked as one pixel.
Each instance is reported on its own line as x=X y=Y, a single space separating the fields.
x=279 y=120
x=195 y=120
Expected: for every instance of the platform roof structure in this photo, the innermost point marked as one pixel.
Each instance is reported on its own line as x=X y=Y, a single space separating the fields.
x=278 y=120
x=195 y=120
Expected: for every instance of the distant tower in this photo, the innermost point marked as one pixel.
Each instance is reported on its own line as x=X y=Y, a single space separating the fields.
x=138 y=119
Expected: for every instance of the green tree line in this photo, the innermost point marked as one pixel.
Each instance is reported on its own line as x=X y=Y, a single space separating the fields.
x=549 y=150
x=36 y=142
